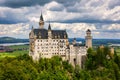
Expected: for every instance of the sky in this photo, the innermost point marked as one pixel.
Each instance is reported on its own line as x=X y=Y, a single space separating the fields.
x=102 y=17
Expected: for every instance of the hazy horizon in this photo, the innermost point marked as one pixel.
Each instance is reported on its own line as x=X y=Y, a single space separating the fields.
x=68 y=38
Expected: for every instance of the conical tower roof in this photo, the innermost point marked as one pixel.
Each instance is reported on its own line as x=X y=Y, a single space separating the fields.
x=88 y=30
x=49 y=27
x=41 y=17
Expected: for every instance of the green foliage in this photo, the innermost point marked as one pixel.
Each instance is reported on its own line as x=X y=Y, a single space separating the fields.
x=23 y=68
x=99 y=66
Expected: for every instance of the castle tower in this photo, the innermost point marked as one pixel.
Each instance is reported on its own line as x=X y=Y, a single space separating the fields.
x=74 y=41
x=88 y=39
x=49 y=31
x=41 y=22
x=112 y=51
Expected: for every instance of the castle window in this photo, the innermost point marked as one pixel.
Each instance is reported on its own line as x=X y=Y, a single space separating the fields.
x=74 y=61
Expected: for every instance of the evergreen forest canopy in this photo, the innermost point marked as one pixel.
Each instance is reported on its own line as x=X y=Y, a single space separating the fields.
x=100 y=65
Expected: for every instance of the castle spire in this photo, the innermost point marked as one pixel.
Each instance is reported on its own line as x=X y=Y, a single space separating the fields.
x=41 y=22
x=41 y=17
x=49 y=31
x=32 y=27
x=49 y=27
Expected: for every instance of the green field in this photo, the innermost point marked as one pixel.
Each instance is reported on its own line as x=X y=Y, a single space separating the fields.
x=15 y=53
x=19 y=46
x=21 y=52
x=118 y=51
x=12 y=54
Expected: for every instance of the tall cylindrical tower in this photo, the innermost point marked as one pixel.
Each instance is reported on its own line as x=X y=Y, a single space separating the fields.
x=88 y=39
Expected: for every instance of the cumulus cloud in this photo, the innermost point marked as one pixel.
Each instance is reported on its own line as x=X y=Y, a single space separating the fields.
x=102 y=17
x=74 y=29
x=54 y=6
x=97 y=11
x=84 y=11
x=108 y=31
x=15 y=30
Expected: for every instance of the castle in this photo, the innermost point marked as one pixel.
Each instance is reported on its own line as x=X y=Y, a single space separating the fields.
x=45 y=43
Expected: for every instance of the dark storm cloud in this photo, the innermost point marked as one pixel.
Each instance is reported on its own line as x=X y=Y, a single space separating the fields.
x=110 y=31
x=11 y=17
x=24 y=3
x=94 y=21
x=85 y=14
x=113 y=4
x=11 y=21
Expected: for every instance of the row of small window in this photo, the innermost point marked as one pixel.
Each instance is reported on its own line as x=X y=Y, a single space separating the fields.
x=52 y=40
x=79 y=50
x=54 y=54
x=46 y=44
x=58 y=53
x=51 y=47
x=50 y=50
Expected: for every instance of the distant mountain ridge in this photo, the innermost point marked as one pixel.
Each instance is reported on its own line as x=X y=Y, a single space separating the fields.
x=12 y=40
x=95 y=41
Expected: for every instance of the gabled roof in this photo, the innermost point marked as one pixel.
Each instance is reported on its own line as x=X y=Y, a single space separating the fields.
x=59 y=34
x=56 y=34
x=41 y=33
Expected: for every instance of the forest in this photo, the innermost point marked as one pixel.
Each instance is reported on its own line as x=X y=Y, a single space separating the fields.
x=100 y=64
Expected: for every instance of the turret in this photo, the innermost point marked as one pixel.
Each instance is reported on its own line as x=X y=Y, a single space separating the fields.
x=49 y=27
x=32 y=28
x=88 y=39
x=49 y=31
x=41 y=22
x=31 y=35
x=74 y=41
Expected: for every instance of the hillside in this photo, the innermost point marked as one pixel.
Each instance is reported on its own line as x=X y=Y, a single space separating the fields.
x=12 y=40
x=96 y=42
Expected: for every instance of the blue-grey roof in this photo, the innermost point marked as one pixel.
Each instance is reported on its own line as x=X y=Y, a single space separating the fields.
x=56 y=34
